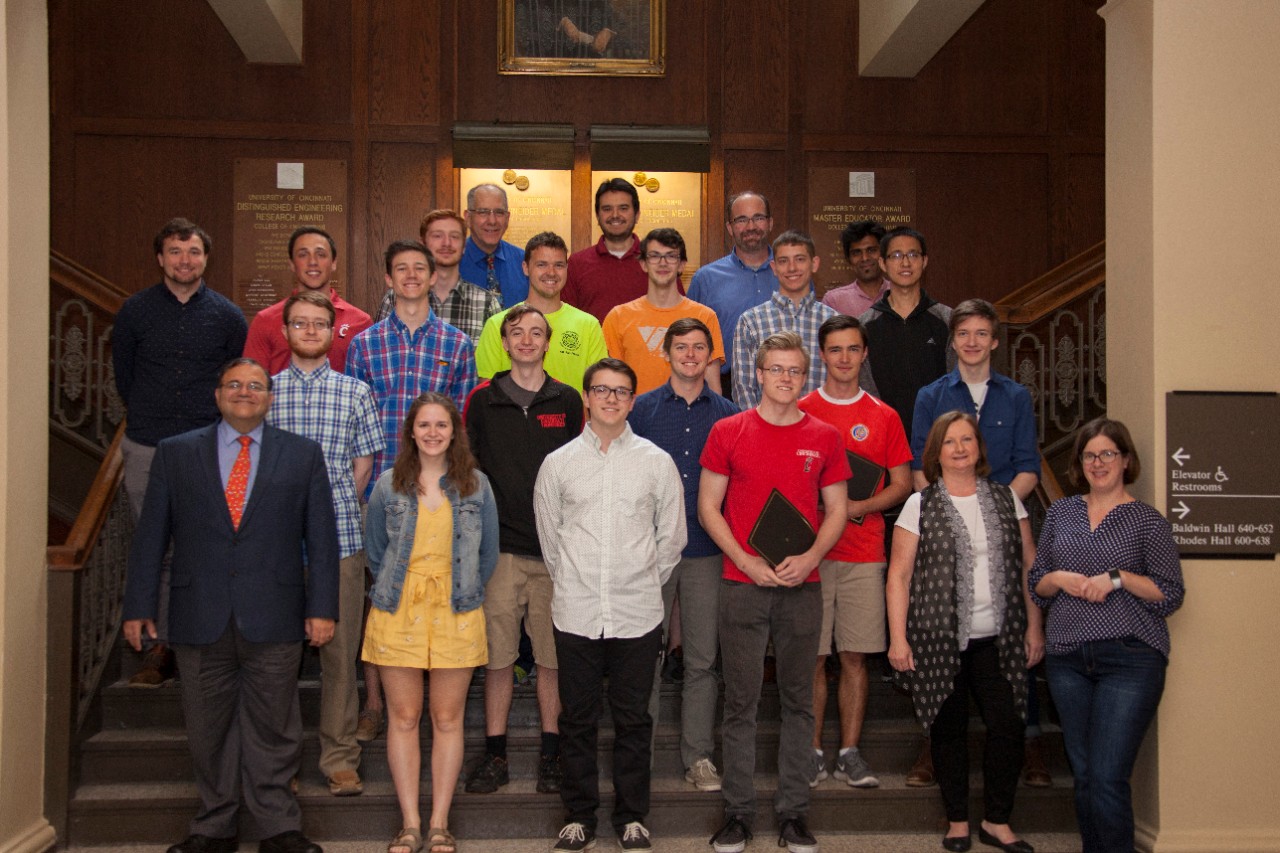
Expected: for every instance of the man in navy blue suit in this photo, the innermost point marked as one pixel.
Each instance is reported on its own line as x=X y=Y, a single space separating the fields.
x=240 y=501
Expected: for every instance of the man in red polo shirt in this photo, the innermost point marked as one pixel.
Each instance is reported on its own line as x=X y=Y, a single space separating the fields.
x=609 y=273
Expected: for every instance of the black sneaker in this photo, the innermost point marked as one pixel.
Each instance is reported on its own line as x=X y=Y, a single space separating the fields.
x=549 y=774
x=634 y=837
x=796 y=837
x=732 y=837
x=488 y=776
x=573 y=838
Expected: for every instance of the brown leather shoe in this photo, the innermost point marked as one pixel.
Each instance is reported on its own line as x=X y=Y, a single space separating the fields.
x=1035 y=770
x=158 y=666
x=921 y=773
x=369 y=725
x=346 y=783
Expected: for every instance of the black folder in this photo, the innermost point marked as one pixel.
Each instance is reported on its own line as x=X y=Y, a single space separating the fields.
x=865 y=480
x=781 y=531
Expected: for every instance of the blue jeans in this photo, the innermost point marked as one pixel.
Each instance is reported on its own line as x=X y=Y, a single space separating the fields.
x=1106 y=693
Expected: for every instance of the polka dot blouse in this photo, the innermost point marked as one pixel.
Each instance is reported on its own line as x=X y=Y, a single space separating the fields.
x=1133 y=537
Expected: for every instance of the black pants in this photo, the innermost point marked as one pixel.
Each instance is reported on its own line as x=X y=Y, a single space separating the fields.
x=1003 y=752
x=629 y=665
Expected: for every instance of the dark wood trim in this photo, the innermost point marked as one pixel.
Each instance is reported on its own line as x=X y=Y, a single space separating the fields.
x=85 y=283
x=1057 y=287
x=72 y=555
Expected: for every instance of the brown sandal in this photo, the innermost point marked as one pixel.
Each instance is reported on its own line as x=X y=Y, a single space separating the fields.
x=409 y=838
x=441 y=840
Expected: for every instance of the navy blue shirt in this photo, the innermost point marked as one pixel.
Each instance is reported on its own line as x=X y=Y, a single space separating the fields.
x=1007 y=422
x=681 y=429
x=167 y=355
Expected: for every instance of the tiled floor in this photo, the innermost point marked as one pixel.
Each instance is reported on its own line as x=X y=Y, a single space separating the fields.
x=828 y=843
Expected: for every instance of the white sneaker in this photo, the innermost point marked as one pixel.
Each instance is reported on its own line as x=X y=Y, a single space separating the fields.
x=703 y=775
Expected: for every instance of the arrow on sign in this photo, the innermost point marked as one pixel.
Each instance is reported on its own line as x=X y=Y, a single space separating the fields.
x=1181 y=509
x=1179 y=456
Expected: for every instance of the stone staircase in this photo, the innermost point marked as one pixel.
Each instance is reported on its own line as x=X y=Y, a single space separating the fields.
x=132 y=780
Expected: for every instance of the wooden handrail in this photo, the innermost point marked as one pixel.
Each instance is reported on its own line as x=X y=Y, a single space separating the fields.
x=85 y=283
x=1065 y=282
x=72 y=555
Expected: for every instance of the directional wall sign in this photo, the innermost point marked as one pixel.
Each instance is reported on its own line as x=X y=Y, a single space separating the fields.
x=1224 y=473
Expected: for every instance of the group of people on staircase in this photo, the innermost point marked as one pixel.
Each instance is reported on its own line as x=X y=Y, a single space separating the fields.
x=566 y=448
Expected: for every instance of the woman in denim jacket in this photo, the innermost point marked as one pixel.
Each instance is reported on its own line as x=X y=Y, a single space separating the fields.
x=432 y=540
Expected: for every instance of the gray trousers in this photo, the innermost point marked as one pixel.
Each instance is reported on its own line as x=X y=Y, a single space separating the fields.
x=697 y=581
x=137 y=471
x=749 y=615
x=244 y=728
x=339 y=701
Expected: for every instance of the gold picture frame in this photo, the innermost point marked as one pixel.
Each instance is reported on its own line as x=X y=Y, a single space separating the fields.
x=600 y=38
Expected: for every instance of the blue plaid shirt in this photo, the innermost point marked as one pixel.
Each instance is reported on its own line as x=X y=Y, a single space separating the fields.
x=681 y=429
x=399 y=365
x=339 y=414
x=779 y=314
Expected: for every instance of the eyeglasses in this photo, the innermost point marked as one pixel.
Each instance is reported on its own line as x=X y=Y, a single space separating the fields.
x=668 y=259
x=778 y=370
x=252 y=387
x=758 y=219
x=1107 y=456
x=898 y=257
x=485 y=212
x=603 y=392
x=318 y=325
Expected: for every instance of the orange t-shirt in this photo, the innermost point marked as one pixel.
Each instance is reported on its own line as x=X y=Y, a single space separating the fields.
x=633 y=332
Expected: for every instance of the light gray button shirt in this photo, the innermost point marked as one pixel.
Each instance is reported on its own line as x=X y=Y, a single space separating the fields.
x=612 y=527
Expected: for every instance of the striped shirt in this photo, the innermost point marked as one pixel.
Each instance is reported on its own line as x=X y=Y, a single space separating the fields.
x=399 y=365
x=338 y=413
x=779 y=314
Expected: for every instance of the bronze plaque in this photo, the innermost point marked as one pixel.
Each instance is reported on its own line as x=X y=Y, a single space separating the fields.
x=1223 y=473
x=667 y=200
x=838 y=196
x=271 y=199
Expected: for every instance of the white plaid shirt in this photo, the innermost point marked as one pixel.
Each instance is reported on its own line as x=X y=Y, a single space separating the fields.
x=337 y=412
x=779 y=314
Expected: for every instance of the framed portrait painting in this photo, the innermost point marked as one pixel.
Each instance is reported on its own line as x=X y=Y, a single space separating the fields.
x=582 y=37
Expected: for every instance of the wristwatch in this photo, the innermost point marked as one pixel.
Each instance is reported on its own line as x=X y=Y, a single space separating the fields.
x=1116 y=583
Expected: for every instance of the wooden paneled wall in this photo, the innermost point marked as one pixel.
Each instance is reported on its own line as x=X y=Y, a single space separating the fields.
x=152 y=101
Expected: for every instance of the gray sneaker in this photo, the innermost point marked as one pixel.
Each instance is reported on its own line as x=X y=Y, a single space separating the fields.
x=819 y=768
x=853 y=768
x=703 y=776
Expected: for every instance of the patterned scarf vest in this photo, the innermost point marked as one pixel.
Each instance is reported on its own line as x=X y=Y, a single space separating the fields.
x=942 y=597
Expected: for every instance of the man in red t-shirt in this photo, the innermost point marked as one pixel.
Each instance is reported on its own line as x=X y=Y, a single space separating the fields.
x=853 y=570
x=746 y=457
x=313 y=261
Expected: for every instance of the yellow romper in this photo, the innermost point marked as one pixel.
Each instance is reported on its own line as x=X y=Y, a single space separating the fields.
x=424 y=632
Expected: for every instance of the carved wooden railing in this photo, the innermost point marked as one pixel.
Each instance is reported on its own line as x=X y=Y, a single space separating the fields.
x=1055 y=343
x=83 y=404
x=86 y=586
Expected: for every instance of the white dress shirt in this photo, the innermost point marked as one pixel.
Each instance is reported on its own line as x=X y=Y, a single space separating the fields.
x=612 y=527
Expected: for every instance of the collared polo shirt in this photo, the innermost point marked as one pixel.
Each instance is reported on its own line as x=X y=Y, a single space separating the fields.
x=729 y=287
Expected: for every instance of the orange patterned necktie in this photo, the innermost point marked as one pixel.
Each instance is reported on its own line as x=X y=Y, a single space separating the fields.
x=238 y=482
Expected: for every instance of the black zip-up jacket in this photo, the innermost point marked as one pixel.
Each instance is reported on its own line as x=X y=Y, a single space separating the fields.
x=904 y=355
x=510 y=443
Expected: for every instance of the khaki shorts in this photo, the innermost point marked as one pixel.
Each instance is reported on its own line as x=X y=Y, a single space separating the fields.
x=853 y=609
x=519 y=589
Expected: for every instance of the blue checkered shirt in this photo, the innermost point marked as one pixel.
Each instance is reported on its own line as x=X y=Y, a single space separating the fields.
x=399 y=365
x=779 y=314
x=338 y=413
